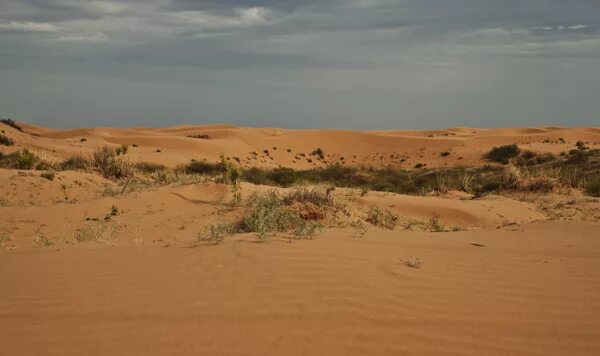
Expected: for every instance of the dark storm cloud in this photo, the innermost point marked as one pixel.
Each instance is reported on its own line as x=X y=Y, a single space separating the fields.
x=413 y=62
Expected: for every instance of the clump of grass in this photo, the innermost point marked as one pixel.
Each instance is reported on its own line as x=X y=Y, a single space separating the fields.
x=382 y=218
x=503 y=154
x=148 y=168
x=49 y=175
x=106 y=162
x=215 y=233
x=5 y=140
x=11 y=123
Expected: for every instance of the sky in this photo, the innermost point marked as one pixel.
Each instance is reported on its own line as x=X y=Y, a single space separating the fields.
x=355 y=64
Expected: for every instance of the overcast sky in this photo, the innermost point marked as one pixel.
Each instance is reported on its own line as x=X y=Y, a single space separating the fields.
x=356 y=64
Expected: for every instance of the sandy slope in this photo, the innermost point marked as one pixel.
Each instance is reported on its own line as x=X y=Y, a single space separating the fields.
x=377 y=148
x=515 y=280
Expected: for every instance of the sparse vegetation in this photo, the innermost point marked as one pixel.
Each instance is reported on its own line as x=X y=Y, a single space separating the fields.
x=11 y=123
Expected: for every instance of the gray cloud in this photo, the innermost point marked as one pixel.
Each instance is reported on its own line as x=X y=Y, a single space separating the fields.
x=299 y=63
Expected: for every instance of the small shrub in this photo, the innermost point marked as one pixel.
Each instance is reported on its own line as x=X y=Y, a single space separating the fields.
x=104 y=160
x=592 y=187
x=503 y=154
x=6 y=141
x=319 y=153
x=382 y=218
x=435 y=225
x=23 y=159
x=83 y=140
x=270 y=214
x=419 y=165
x=114 y=210
x=581 y=145
x=200 y=136
x=489 y=186
x=203 y=167
x=74 y=163
x=445 y=154
x=414 y=263
x=122 y=150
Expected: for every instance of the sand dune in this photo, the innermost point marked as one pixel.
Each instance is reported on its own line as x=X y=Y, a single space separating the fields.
x=508 y=276
x=393 y=148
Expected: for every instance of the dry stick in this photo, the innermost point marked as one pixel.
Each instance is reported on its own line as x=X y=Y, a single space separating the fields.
x=125 y=187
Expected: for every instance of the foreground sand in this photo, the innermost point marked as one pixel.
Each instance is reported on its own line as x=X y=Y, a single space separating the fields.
x=532 y=290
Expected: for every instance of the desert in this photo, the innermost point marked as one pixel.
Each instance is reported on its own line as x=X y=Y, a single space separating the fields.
x=226 y=240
